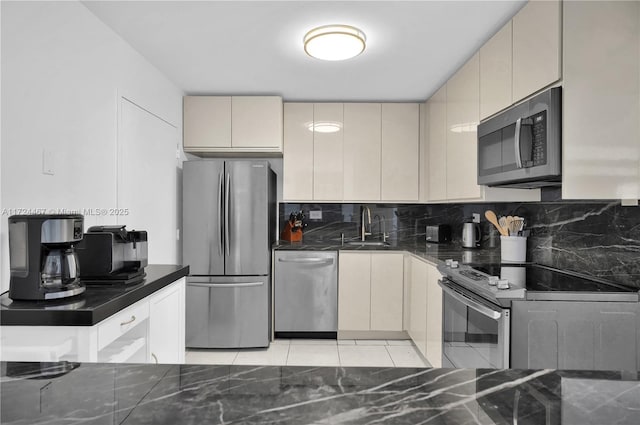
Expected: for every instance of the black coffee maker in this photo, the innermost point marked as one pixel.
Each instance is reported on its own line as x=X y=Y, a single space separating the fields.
x=44 y=265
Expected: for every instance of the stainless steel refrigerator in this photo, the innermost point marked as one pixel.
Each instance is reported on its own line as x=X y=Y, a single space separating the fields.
x=229 y=209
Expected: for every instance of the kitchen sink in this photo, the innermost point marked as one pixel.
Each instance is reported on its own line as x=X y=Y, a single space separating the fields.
x=368 y=243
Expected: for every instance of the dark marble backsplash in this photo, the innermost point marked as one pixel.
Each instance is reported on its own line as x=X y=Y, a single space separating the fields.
x=597 y=238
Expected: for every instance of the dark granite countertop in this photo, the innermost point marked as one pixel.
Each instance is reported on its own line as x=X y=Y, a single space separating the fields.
x=92 y=306
x=431 y=252
x=198 y=394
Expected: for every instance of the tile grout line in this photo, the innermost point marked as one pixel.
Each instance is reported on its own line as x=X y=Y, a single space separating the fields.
x=386 y=347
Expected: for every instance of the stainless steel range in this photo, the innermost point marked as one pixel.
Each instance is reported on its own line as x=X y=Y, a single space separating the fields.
x=477 y=300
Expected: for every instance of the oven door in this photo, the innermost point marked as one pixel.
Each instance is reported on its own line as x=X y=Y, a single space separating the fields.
x=475 y=332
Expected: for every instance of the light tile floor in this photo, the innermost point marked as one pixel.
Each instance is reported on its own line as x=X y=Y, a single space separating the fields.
x=317 y=352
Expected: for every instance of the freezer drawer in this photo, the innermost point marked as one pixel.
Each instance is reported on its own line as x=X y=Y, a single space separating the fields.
x=306 y=291
x=228 y=312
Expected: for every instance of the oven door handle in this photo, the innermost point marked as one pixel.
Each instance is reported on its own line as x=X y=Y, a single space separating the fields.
x=484 y=310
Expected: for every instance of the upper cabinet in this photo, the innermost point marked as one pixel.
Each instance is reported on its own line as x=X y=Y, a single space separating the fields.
x=536 y=47
x=452 y=116
x=601 y=100
x=496 y=72
x=328 y=146
x=256 y=123
x=400 y=151
x=298 y=151
x=362 y=151
x=351 y=152
x=232 y=124
x=207 y=122
x=522 y=58
x=462 y=117
x=435 y=163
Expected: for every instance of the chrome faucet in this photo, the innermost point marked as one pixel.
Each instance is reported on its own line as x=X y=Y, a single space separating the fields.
x=363 y=228
x=382 y=227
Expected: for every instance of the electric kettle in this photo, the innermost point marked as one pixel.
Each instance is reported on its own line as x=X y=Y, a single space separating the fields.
x=471 y=235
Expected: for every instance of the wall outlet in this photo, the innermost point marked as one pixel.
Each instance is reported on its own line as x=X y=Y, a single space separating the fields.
x=315 y=215
x=476 y=217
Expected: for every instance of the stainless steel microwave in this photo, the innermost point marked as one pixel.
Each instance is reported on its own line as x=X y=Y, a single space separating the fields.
x=520 y=147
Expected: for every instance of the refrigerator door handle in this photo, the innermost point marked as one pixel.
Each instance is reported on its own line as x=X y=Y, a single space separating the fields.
x=226 y=213
x=226 y=285
x=220 y=210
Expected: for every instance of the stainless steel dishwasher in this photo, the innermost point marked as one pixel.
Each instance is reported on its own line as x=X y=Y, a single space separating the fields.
x=306 y=294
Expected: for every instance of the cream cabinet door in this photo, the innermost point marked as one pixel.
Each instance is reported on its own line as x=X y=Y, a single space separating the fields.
x=601 y=101
x=418 y=304
x=463 y=91
x=256 y=123
x=297 y=154
x=362 y=151
x=400 y=151
x=206 y=122
x=436 y=124
x=328 y=168
x=496 y=71
x=167 y=324
x=387 y=274
x=354 y=291
x=536 y=46
x=434 y=317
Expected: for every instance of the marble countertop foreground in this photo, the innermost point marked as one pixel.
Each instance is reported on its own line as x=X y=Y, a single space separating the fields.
x=431 y=252
x=33 y=393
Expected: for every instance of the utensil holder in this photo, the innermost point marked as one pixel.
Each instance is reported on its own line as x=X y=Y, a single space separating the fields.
x=513 y=249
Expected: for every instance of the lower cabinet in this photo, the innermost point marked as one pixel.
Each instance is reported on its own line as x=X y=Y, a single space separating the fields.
x=370 y=291
x=417 y=327
x=167 y=325
x=392 y=291
x=424 y=302
x=434 y=317
x=574 y=335
x=148 y=331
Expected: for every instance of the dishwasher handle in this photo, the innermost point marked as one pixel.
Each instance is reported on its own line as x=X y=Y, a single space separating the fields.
x=482 y=309
x=318 y=261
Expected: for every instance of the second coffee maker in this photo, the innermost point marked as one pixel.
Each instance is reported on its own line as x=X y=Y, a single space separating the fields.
x=471 y=235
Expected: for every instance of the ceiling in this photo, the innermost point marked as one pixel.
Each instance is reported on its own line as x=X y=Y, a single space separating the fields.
x=255 y=47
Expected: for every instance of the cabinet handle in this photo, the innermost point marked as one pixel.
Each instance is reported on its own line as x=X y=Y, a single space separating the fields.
x=126 y=322
x=155 y=358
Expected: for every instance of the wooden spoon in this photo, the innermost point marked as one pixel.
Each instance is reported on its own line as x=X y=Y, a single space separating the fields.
x=491 y=217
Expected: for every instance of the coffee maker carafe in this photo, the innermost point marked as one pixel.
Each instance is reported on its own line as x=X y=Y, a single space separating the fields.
x=43 y=261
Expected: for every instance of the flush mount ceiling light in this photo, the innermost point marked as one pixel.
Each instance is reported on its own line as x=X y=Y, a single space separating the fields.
x=324 y=126
x=334 y=42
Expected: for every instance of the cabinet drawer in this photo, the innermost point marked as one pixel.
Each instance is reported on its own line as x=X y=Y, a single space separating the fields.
x=121 y=323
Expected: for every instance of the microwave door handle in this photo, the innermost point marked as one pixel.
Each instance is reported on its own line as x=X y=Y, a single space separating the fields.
x=516 y=141
x=485 y=311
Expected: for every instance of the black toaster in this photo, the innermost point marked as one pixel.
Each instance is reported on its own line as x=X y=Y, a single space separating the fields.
x=439 y=233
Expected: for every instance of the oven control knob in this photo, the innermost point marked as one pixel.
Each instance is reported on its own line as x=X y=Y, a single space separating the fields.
x=503 y=284
x=493 y=280
x=454 y=264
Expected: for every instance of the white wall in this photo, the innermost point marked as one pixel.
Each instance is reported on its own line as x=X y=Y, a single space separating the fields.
x=63 y=73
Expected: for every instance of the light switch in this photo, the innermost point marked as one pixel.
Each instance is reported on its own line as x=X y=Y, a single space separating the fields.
x=48 y=163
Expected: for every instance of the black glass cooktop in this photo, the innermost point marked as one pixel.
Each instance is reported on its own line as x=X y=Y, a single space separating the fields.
x=545 y=279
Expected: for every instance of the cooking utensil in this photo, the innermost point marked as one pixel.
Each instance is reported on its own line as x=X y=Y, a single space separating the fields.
x=491 y=217
x=515 y=226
